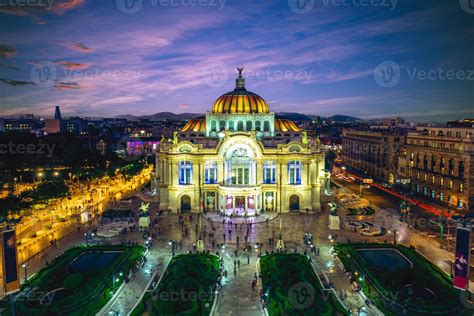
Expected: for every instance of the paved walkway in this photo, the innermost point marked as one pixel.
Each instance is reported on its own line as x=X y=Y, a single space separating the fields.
x=125 y=300
x=237 y=296
x=215 y=217
x=325 y=264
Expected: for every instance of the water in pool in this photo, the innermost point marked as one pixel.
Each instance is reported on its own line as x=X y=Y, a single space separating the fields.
x=90 y=261
x=389 y=259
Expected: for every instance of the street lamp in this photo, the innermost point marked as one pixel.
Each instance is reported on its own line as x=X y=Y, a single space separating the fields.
x=395 y=236
x=25 y=266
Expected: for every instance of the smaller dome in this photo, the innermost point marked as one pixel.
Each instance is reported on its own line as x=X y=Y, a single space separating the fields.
x=284 y=125
x=197 y=124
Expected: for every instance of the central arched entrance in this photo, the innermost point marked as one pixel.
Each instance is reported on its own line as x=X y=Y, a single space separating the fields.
x=294 y=203
x=185 y=203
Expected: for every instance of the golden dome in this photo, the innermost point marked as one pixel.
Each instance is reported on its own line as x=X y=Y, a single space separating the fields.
x=284 y=125
x=240 y=100
x=197 y=124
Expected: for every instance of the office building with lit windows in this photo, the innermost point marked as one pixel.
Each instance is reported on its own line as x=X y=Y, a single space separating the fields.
x=240 y=158
x=439 y=163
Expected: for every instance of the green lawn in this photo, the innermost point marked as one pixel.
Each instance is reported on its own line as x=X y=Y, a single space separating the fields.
x=293 y=287
x=86 y=289
x=394 y=285
x=186 y=288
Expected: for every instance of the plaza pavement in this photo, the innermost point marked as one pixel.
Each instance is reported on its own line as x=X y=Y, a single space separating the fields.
x=237 y=297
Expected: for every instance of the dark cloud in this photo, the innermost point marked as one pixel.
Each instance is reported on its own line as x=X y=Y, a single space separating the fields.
x=16 y=82
x=79 y=47
x=57 y=7
x=7 y=51
x=73 y=66
x=9 y=67
x=61 y=86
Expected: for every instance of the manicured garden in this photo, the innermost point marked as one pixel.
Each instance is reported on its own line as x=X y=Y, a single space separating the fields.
x=291 y=287
x=398 y=278
x=80 y=282
x=186 y=288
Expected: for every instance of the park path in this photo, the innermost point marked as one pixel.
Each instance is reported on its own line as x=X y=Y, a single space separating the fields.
x=237 y=296
x=325 y=262
x=127 y=298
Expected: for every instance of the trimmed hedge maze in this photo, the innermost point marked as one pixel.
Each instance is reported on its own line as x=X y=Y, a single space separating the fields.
x=293 y=287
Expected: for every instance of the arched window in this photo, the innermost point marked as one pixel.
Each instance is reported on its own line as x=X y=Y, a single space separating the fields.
x=461 y=170
x=213 y=126
x=240 y=126
x=451 y=167
x=231 y=126
x=258 y=126
x=222 y=125
x=266 y=126
x=249 y=126
x=425 y=162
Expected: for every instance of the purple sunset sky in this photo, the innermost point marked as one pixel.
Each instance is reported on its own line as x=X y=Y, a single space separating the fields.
x=100 y=58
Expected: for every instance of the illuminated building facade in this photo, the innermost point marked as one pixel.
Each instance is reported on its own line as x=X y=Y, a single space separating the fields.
x=239 y=158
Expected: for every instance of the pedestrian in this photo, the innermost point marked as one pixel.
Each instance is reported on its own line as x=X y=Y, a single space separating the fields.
x=238 y=264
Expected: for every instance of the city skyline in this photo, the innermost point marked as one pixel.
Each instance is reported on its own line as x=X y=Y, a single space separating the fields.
x=324 y=58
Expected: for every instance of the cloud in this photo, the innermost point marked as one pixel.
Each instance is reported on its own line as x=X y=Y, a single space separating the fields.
x=7 y=51
x=57 y=7
x=9 y=67
x=61 y=86
x=73 y=66
x=183 y=106
x=76 y=46
x=16 y=82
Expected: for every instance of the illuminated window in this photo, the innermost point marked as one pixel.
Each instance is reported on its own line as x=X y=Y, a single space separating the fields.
x=450 y=184
x=294 y=172
x=240 y=126
x=210 y=172
x=231 y=126
x=269 y=172
x=461 y=187
x=185 y=172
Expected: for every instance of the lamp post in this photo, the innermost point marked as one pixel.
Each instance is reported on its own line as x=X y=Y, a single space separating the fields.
x=395 y=236
x=25 y=266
